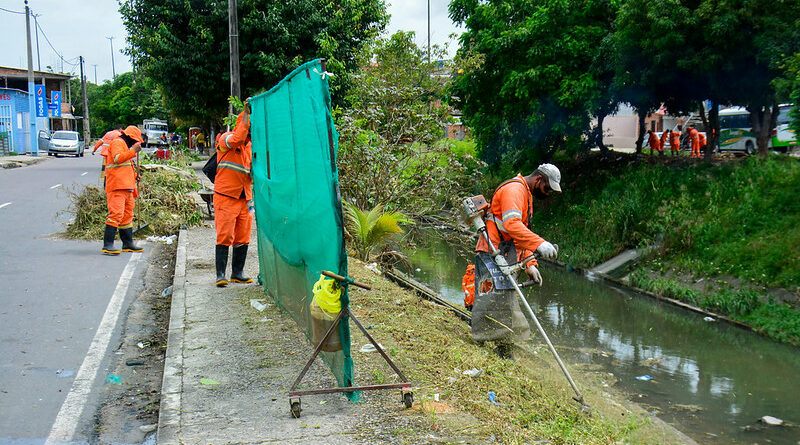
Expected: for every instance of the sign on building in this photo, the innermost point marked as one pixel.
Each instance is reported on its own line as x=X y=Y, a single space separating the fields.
x=55 y=103
x=41 y=102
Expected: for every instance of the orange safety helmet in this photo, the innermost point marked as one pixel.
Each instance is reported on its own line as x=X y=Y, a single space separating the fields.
x=133 y=132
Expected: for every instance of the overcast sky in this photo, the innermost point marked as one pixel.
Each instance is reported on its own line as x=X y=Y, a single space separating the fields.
x=81 y=27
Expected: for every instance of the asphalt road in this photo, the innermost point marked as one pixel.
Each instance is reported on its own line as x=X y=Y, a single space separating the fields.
x=53 y=301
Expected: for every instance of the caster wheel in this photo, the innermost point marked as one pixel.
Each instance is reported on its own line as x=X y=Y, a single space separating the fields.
x=408 y=399
x=296 y=409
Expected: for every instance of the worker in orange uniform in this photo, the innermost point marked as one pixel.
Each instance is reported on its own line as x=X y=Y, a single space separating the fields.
x=694 y=139
x=102 y=144
x=468 y=286
x=121 y=190
x=652 y=139
x=702 y=138
x=664 y=139
x=675 y=142
x=496 y=315
x=233 y=197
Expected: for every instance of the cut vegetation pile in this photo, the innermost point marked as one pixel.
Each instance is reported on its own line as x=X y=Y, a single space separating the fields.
x=533 y=400
x=164 y=200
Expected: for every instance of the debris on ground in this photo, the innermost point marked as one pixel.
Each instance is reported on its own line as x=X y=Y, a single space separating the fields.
x=771 y=421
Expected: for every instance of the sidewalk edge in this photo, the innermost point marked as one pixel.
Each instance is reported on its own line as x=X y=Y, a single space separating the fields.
x=169 y=415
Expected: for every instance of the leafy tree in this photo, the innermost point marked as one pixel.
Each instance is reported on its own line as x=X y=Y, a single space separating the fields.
x=183 y=44
x=390 y=134
x=540 y=78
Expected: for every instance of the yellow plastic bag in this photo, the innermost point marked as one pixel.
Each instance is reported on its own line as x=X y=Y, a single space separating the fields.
x=325 y=306
x=328 y=295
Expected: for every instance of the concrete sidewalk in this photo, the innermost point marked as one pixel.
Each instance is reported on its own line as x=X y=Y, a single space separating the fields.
x=229 y=366
x=22 y=160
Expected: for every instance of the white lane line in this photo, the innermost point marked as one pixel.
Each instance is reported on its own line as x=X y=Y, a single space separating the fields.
x=66 y=422
x=57 y=185
x=84 y=173
x=6 y=204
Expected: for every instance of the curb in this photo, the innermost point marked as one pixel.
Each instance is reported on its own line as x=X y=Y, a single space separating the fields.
x=169 y=414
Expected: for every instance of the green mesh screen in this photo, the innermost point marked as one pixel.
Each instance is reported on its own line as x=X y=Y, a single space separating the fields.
x=297 y=200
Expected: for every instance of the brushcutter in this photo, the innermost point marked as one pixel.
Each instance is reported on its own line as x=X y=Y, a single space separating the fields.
x=139 y=227
x=475 y=209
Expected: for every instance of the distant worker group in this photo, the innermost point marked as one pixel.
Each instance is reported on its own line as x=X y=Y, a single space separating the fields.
x=697 y=141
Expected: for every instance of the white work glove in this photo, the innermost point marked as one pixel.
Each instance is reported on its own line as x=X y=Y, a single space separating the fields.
x=547 y=251
x=535 y=275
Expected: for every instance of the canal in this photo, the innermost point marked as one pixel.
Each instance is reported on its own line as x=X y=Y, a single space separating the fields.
x=711 y=380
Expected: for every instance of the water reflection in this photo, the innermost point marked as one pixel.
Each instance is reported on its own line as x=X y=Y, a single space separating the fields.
x=711 y=379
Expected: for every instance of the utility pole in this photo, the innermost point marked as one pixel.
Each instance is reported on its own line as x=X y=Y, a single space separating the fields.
x=33 y=148
x=113 y=71
x=95 y=73
x=85 y=107
x=429 y=31
x=233 y=35
x=38 y=56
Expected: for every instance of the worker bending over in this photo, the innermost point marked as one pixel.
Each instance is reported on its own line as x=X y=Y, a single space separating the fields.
x=121 y=190
x=655 y=144
x=102 y=144
x=496 y=314
x=233 y=195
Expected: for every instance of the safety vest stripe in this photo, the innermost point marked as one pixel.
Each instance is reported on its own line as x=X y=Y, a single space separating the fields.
x=511 y=214
x=226 y=140
x=124 y=164
x=234 y=166
x=498 y=223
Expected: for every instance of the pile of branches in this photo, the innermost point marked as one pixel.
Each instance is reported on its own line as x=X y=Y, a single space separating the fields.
x=164 y=204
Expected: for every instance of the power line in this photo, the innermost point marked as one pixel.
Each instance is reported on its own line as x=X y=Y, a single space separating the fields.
x=13 y=12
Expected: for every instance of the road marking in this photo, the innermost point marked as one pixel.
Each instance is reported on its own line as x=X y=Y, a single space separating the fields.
x=66 y=422
x=57 y=185
x=84 y=173
x=6 y=204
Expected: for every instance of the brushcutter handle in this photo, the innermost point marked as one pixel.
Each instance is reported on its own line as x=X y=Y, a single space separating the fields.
x=343 y=279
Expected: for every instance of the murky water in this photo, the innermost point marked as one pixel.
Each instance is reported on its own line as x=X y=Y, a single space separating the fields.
x=711 y=380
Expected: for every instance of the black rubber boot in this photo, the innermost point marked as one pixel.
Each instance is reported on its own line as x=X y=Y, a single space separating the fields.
x=108 y=241
x=126 y=235
x=237 y=264
x=222 y=264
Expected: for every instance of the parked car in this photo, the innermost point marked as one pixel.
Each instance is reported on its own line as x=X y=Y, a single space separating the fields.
x=65 y=142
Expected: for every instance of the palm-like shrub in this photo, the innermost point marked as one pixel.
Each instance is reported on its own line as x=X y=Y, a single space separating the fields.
x=373 y=228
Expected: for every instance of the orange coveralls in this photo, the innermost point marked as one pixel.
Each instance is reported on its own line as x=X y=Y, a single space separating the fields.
x=652 y=139
x=703 y=142
x=674 y=141
x=508 y=219
x=103 y=144
x=664 y=139
x=468 y=286
x=695 y=140
x=233 y=186
x=120 y=184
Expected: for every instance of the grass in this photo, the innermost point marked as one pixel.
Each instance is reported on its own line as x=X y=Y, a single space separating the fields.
x=433 y=348
x=163 y=199
x=737 y=220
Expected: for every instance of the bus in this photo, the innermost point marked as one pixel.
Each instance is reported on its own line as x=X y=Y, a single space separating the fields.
x=736 y=131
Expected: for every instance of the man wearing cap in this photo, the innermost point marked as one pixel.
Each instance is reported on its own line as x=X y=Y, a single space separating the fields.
x=496 y=314
x=121 y=190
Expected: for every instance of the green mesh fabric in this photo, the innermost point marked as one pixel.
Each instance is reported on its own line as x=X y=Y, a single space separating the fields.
x=297 y=200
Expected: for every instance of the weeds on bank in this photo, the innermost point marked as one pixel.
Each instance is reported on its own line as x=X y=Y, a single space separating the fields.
x=164 y=206
x=433 y=348
x=775 y=320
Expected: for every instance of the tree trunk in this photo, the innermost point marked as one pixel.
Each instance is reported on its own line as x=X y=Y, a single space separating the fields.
x=640 y=136
x=712 y=130
x=598 y=134
x=762 y=119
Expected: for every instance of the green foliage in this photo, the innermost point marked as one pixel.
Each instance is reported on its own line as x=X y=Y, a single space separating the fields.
x=372 y=229
x=535 y=72
x=740 y=218
x=237 y=105
x=183 y=45
x=390 y=147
